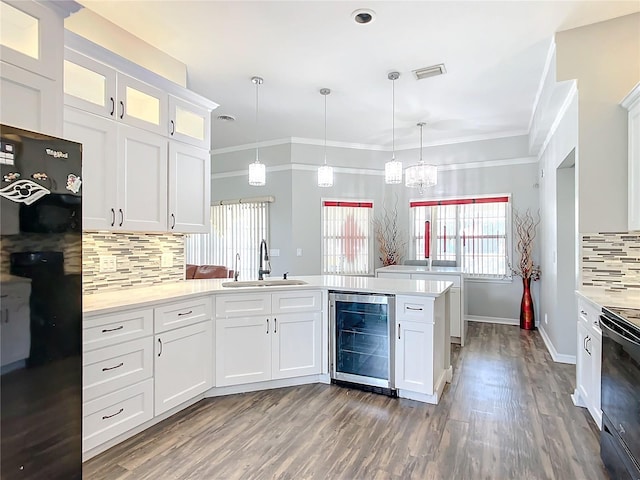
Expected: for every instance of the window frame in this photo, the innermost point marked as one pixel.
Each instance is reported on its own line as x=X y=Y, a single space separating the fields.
x=508 y=276
x=370 y=235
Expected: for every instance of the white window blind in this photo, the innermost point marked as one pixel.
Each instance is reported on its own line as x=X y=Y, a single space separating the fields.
x=346 y=237
x=472 y=232
x=235 y=228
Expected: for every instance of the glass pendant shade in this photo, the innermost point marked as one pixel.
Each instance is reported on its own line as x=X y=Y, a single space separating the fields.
x=393 y=172
x=421 y=175
x=257 y=174
x=325 y=176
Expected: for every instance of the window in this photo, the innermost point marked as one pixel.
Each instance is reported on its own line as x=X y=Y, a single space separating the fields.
x=472 y=232
x=235 y=228
x=346 y=237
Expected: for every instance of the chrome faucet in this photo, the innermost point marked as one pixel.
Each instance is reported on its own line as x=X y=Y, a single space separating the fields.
x=266 y=266
x=236 y=273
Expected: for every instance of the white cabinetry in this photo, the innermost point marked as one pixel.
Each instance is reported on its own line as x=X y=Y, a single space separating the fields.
x=588 y=359
x=189 y=188
x=31 y=48
x=632 y=103
x=124 y=173
x=422 y=359
x=144 y=177
x=97 y=88
x=262 y=337
x=117 y=370
x=184 y=351
x=455 y=298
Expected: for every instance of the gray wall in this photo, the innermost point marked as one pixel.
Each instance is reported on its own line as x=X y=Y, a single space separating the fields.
x=296 y=213
x=605 y=59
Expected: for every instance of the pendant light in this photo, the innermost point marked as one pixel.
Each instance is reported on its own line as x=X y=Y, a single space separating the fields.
x=257 y=170
x=393 y=168
x=325 y=172
x=422 y=175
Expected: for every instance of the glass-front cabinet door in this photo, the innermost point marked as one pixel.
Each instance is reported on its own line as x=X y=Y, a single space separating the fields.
x=89 y=85
x=189 y=123
x=141 y=105
x=28 y=37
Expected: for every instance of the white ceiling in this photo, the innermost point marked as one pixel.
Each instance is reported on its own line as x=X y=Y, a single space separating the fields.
x=494 y=54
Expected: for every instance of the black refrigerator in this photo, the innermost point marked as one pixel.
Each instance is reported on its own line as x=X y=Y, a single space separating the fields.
x=40 y=306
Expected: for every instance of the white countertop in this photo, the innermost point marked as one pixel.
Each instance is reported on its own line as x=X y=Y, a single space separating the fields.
x=421 y=269
x=143 y=296
x=608 y=298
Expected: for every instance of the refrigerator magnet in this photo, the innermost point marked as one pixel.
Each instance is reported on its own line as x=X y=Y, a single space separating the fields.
x=73 y=183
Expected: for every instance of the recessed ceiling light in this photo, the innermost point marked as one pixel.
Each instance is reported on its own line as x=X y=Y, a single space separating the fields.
x=226 y=118
x=362 y=16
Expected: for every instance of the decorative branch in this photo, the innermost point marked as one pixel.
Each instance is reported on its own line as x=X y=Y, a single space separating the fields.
x=391 y=242
x=525 y=232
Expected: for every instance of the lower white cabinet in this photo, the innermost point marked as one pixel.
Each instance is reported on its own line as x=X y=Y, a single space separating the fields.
x=455 y=299
x=270 y=345
x=589 y=359
x=422 y=352
x=111 y=415
x=183 y=364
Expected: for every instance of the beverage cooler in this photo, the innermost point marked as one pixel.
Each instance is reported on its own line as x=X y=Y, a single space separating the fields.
x=362 y=346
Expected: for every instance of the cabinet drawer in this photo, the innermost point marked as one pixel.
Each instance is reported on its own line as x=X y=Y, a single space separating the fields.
x=589 y=313
x=105 y=330
x=437 y=278
x=242 y=305
x=416 y=309
x=180 y=314
x=303 y=301
x=108 y=369
x=111 y=415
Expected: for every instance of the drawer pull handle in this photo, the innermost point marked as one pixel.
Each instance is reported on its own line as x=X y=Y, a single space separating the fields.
x=160 y=342
x=267 y=326
x=584 y=313
x=275 y=325
x=415 y=309
x=398 y=331
x=104 y=417
x=112 y=329
x=112 y=368
x=186 y=313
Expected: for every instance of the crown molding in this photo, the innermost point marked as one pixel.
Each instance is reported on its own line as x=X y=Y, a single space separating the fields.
x=364 y=146
x=573 y=92
x=360 y=171
x=545 y=71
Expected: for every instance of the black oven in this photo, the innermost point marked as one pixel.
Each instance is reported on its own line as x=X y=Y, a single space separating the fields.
x=620 y=436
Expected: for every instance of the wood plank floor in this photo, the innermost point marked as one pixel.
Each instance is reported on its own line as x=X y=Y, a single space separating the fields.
x=506 y=415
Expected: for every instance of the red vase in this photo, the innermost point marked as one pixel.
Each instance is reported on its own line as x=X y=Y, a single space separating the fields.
x=527 y=318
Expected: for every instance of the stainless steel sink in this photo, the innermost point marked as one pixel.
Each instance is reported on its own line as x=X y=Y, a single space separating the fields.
x=263 y=283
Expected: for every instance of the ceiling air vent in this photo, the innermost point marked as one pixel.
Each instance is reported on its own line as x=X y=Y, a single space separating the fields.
x=431 y=71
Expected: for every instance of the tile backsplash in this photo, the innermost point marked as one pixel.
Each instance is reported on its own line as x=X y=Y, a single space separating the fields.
x=138 y=257
x=611 y=260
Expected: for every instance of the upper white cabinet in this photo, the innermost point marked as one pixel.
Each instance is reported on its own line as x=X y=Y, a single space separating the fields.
x=189 y=188
x=124 y=173
x=189 y=123
x=97 y=88
x=146 y=162
x=31 y=37
x=31 y=48
x=632 y=103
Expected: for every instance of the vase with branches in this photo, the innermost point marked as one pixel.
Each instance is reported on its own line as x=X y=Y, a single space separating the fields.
x=390 y=239
x=525 y=225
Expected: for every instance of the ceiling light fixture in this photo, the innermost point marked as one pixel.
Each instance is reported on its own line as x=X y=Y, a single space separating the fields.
x=363 y=16
x=422 y=175
x=393 y=168
x=257 y=170
x=325 y=172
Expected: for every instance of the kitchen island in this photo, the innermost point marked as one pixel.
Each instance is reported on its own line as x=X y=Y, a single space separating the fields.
x=150 y=352
x=457 y=303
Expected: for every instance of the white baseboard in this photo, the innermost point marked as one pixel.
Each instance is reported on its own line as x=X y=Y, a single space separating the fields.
x=501 y=321
x=557 y=357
